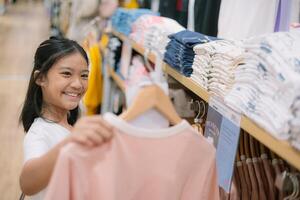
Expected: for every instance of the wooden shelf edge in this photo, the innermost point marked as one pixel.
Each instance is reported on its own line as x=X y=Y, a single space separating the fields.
x=187 y=82
x=282 y=148
x=119 y=35
x=134 y=45
x=116 y=78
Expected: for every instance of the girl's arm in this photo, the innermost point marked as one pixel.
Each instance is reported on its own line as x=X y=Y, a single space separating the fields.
x=36 y=173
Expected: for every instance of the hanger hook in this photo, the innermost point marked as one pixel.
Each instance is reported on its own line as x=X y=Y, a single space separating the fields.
x=295 y=184
x=199 y=110
x=204 y=108
x=198 y=117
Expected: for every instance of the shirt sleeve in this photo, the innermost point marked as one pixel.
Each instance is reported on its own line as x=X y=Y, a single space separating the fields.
x=35 y=145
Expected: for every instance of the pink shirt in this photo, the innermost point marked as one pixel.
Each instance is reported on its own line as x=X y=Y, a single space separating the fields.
x=166 y=164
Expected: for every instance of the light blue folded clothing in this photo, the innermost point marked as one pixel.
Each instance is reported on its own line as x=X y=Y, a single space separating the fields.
x=123 y=18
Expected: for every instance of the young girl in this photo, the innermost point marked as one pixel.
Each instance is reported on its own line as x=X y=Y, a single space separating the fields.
x=50 y=112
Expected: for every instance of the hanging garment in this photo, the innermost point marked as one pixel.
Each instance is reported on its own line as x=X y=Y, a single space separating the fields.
x=172 y=163
x=244 y=190
x=267 y=168
x=130 y=4
x=145 y=4
x=82 y=12
x=177 y=10
x=295 y=13
x=167 y=8
x=191 y=15
x=110 y=59
x=247 y=178
x=275 y=163
x=182 y=12
x=107 y=81
x=283 y=18
x=206 y=16
x=236 y=194
x=112 y=91
x=253 y=194
x=64 y=16
x=241 y=19
x=154 y=5
x=261 y=191
x=93 y=96
x=264 y=178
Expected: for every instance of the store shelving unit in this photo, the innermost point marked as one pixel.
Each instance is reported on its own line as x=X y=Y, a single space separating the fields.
x=282 y=148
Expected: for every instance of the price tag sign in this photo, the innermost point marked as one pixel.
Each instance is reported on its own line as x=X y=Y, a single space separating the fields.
x=222 y=128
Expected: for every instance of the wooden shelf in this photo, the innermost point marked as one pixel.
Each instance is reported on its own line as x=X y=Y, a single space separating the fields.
x=120 y=83
x=282 y=148
x=135 y=46
x=187 y=82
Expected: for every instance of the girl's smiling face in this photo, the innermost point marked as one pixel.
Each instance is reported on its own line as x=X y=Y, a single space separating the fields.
x=65 y=83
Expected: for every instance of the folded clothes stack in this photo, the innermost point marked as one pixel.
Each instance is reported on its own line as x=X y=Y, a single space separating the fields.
x=267 y=84
x=295 y=123
x=152 y=31
x=179 y=51
x=123 y=18
x=214 y=65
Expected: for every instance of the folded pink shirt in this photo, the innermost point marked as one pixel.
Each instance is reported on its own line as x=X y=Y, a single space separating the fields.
x=165 y=164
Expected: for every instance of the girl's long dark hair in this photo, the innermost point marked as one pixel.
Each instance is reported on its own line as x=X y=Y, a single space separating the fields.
x=47 y=54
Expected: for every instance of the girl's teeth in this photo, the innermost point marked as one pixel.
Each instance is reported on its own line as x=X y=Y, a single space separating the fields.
x=72 y=94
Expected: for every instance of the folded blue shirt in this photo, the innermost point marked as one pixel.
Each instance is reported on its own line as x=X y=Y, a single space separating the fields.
x=190 y=39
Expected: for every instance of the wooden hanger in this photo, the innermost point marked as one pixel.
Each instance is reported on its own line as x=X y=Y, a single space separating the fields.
x=238 y=158
x=257 y=147
x=242 y=152
x=247 y=146
x=148 y=98
x=199 y=119
x=273 y=155
x=252 y=147
x=262 y=149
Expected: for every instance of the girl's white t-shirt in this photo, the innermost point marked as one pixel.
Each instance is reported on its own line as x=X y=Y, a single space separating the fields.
x=40 y=138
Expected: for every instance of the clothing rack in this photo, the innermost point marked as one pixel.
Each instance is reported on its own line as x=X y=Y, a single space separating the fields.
x=281 y=148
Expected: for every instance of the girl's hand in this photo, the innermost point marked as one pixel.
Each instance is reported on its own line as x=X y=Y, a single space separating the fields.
x=91 y=131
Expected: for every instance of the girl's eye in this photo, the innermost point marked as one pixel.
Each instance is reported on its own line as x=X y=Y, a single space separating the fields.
x=85 y=76
x=66 y=74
